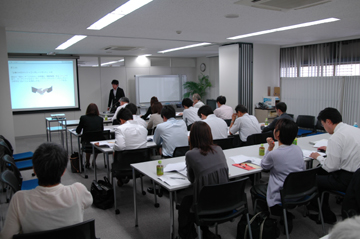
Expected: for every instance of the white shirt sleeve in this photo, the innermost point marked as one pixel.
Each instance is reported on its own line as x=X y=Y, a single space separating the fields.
x=236 y=126
x=12 y=224
x=119 y=140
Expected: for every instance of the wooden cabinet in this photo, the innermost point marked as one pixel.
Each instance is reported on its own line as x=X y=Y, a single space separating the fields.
x=261 y=114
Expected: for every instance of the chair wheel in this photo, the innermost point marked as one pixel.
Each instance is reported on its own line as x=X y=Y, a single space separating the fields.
x=156 y=205
x=143 y=193
x=117 y=211
x=86 y=176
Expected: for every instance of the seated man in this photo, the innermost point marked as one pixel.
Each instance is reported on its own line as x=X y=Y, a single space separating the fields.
x=172 y=133
x=132 y=107
x=123 y=102
x=189 y=113
x=50 y=205
x=223 y=111
x=244 y=123
x=281 y=112
x=197 y=100
x=342 y=157
x=219 y=129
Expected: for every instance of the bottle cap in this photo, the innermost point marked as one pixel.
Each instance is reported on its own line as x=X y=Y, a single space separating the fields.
x=159 y=161
x=262 y=145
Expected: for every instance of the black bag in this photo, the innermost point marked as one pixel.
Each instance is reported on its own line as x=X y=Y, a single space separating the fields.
x=74 y=160
x=103 y=193
x=262 y=227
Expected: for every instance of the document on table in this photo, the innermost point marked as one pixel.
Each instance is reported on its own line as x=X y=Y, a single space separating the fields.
x=150 y=138
x=110 y=144
x=246 y=159
x=174 y=180
x=176 y=167
x=319 y=143
x=308 y=152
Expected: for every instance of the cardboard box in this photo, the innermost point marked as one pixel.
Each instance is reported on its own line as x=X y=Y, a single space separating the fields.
x=277 y=91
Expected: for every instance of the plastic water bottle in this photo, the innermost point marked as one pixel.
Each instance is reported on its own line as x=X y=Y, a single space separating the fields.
x=355 y=124
x=159 y=169
x=266 y=122
x=262 y=150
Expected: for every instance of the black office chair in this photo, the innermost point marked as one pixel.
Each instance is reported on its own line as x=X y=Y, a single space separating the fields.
x=19 y=156
x=226 y=143
x=258 y=138
x=181 y=151
x=82 y=230
x=10 y=182
x=319 y=129
x=221 y=203
x=351 y=203
x=306 y=124
x=20 y=164
x=228 y=122
x=211 y=103
x=121 y=168
x=299 y=189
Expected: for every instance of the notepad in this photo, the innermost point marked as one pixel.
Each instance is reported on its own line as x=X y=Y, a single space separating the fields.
x=176 y=167
x=319 y=143
x=246 y=159
x=174 y=180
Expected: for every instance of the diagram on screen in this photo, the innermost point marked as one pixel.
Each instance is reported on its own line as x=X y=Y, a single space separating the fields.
x=40 y=90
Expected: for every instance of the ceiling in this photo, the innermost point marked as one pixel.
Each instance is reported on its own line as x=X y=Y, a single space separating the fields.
x=39 y=26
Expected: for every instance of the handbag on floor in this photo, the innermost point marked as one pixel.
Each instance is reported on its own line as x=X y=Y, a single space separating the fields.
x=103 y=193
x=74 y=161
x=262 y=227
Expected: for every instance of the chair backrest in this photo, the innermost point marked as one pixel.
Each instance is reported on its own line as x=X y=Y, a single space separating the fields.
x=83 y=230
x=181 y=151
x=4 y=148
x=8 y=177
x=95 y=135
x=306 y=121
x=211 y=103
x=224 y=198
x=228 y=121
x=258 y=138
x=9 y=162
x=8 y=144
x=226 y=143
x=319 y=126
x=299 y=187
x=123 y=159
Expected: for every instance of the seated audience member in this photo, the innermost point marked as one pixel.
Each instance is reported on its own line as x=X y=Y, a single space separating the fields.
x=50 y=205
x=170 y=134
x=347 y=229
x=281 y=112
x=153 y=100
x=219 y=129
x=123 y=102
x=90 y=122
x=197 y=100
x=287 y=158
x=189 y=113
x=223 y=111
x=206 y=165
x=342 y=157
x=245 y=123
x=132 y=107
x=155 y=117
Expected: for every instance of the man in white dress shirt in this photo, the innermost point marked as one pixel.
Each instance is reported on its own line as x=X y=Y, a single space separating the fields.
x=244 y=123
x=123 y=102
x=132 y=107
x=223 y=111
x=197 y=100
x=219 y=129
x=190 y=113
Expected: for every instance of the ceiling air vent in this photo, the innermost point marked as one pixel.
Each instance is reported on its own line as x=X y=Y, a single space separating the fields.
x=281 y=5
x=121 y=48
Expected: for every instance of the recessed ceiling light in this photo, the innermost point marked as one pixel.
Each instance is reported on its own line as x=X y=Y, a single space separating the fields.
x=70 y=42
x=185 y=47
x=118 y=13
x=145 y=55
x=306 y=24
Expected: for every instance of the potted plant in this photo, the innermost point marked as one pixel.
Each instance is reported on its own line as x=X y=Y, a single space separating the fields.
x=197 y=87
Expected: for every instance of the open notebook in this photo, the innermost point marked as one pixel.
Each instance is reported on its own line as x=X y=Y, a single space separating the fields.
x=246 y=159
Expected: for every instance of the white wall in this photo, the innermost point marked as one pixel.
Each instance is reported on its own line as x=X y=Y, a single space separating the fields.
x=95 y=85
x=6 y=116
x=212 y=70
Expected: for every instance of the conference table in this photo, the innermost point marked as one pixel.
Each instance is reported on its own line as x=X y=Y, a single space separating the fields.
x=149 y=169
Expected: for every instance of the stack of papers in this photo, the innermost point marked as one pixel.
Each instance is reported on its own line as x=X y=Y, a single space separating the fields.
x=319 y=143
x=107 y=143
x=246 y=159
x=176 y=167
x=308 y=152
x=174 y=180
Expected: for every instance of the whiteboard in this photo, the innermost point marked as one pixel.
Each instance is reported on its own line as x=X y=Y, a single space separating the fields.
x=167 y=88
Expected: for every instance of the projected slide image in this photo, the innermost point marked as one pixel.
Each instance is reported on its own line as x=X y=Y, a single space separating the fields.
x=42 y=84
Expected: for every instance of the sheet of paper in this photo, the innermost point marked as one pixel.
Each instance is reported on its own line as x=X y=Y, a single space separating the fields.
x=308 y=152
x=107 y=143
x=174 y=180
x=320 y=143
x=246 y=159
x=171 y=167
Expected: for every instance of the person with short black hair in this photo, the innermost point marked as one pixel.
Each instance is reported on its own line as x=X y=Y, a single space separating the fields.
x=243 y=123
x=223 y=111
x=219 y=129
x=50 y=205
x=206 y=165
x=123 y=103
x=287 y=158
x=115 y=94
x=197 y=100
x=90 y=122
x=155 y=117
x=342 y=159
x=170 y=134
x=132 y=107
x=281 y=112
x=190 y=112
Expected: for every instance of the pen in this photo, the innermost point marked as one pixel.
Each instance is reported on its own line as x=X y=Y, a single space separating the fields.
x=177 y=178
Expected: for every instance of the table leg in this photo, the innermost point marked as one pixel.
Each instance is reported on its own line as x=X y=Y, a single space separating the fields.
x=135 y=204
x=171 y=214
x=71 y=144
x=108 y=165
x=47 y=133
x=93 y=151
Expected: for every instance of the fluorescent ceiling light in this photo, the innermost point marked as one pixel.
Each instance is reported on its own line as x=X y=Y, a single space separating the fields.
x=145 y=55
x=70 y=42
x=118 y=13
x=185 y=47
x=111 y=62
x=306 y=24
